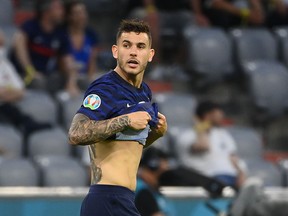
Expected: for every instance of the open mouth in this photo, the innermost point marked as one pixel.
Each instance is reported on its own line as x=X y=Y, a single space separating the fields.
x=133 y=63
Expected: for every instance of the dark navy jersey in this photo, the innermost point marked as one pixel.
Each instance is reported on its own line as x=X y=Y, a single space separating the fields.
x=111 y=96
x=82 y=55
x=43 y=47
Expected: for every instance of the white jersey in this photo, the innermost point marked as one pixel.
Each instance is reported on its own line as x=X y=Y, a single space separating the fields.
x=8 y=76
x=216 y=161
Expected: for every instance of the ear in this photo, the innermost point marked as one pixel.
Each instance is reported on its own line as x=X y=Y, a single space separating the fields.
x=115 y=51
x=151 y=55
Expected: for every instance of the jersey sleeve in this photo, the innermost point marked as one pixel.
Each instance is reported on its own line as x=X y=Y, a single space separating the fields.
x=230 y=142
x=93 y=37
x=98 y=103
x=16 y=81
x=28 y=27
x=149 y=92
x=146 y=203
x=186 y=140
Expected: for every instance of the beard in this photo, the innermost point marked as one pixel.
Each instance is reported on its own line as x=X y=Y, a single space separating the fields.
x=131 y=71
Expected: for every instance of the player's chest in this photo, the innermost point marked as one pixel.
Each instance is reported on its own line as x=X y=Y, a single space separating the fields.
x=128 y=101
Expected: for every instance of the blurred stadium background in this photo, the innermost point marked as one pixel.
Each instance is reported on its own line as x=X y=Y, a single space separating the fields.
x=243 y=69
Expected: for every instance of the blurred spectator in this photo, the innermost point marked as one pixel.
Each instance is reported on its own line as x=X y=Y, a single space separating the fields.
x=83 y=41
x=155 y=12
x=210 y=149
x=277 y=12
x=41 y=47
x=149 y=201
x=230 y=13
x=11 y=91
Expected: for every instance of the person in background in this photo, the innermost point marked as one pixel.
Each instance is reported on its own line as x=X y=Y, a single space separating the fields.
x=155 y=11
x=12 y=89
x=277 y=13
x=227 y=13
x=83 y=41
x=41 y=47
x=210 y=149
x=148 y=199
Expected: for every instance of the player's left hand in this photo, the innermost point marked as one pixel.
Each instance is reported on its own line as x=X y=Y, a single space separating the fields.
x=161 y=127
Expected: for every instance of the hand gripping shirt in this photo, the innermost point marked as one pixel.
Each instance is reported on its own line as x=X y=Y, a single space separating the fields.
x=111 y=96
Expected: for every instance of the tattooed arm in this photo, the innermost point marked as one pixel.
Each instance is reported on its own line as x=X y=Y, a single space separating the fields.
x=84 y=131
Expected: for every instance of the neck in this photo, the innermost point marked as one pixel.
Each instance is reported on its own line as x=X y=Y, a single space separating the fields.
x=76 y=29
x=46 y=24
x=135 y=80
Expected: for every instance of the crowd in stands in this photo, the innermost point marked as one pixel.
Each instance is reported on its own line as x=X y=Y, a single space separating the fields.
x=53 y=55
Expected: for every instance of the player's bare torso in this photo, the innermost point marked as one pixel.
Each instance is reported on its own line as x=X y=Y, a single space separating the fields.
x=115 y=163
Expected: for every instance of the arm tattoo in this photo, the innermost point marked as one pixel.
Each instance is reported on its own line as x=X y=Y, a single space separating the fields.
x=84 y=131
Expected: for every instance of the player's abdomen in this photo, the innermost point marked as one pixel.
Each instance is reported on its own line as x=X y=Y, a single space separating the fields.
x=118 y=162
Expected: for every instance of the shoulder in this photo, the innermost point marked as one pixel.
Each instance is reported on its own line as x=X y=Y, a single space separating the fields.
x=104 y=83
x=188 y=135
x=92 y=35
x=30 y=25
x=90 y=32
x=228 y=138
x=30 y=22
x=223 y=132
x=147 y=89
x=61 y=31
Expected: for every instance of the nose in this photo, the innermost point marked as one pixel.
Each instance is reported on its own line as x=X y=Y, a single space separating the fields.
x=133 y=51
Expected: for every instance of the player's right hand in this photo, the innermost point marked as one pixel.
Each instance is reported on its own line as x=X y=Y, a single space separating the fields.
x=138 y=120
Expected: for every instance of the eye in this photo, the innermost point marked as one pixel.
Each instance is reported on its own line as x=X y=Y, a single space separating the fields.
x=126 y=45
x=141 y=46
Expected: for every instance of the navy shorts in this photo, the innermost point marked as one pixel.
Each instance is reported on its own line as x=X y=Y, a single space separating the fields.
x=109 y=200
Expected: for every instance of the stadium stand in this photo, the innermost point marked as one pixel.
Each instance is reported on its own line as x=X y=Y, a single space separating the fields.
x=253 y=44
x=61 y=171
x=49 y=142
x=68 y=108
x=256 y=59
x=269 y=173
x=11 y=141
x=248 y=141
x=7 y=20
x=250 y=149
x=177 y=107
x=268 y=87
x=6 y=13
x=281 y=34
x=18 y=172
x=40 y=106
x=209 y=54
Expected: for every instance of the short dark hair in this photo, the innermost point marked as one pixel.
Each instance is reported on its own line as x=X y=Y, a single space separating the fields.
x=205 y=107
x=70 y=5
x=134 y=25
x=41 y=6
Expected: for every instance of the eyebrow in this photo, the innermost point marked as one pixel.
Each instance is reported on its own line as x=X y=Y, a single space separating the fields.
x=140 y=43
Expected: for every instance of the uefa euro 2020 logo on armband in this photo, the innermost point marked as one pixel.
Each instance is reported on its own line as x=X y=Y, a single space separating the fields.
x=92 y=102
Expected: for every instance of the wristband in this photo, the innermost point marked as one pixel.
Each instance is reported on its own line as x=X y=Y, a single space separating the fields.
x=245 y=13
x=30 y=72
x=202 y=127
